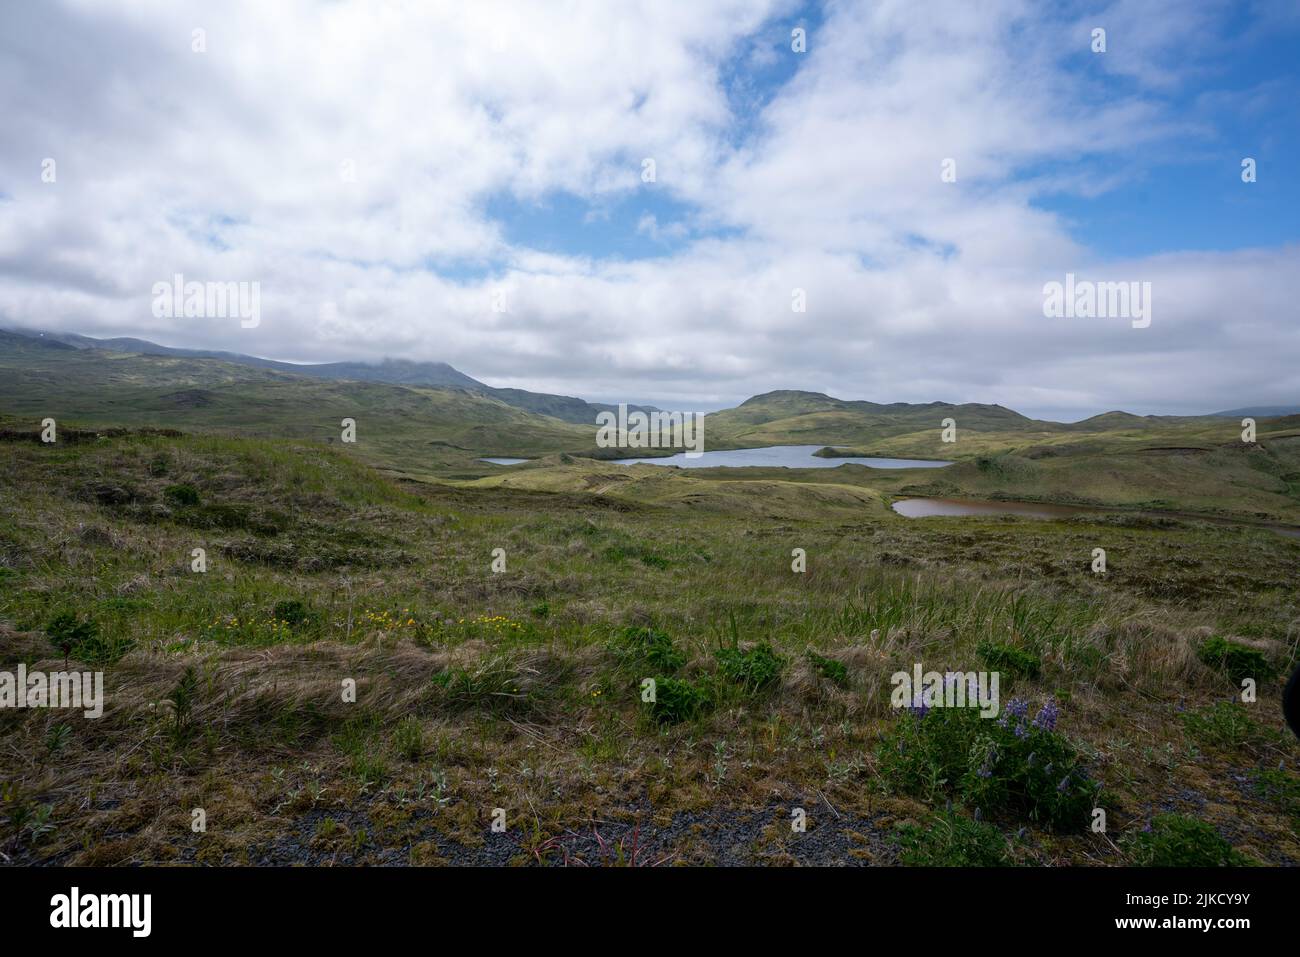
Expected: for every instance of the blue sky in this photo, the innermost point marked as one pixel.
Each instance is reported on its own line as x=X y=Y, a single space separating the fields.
x=1241 y=99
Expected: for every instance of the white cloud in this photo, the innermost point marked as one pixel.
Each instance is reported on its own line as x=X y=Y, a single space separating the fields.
x=227 y=165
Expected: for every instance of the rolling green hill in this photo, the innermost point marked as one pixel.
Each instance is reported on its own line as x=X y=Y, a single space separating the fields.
x=811 y=418
x=391 y=371
x=404 y=428
x=1116 y=459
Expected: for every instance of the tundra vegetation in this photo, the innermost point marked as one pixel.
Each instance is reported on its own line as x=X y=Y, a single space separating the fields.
x=334 y=566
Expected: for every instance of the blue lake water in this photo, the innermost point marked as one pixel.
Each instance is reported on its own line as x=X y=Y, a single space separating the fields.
x=779 y=456
x=505 y=461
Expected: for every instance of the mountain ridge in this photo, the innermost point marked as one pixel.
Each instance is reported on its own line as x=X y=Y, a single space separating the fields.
x=388 y=370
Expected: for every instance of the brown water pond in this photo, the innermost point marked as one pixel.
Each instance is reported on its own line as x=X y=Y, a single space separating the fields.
x=958 y=507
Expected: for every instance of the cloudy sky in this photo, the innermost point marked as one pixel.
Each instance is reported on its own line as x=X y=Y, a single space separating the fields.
x=468 y=182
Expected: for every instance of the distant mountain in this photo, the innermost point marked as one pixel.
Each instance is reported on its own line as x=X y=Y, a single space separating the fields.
x=785 y=403
x=1259 y=412
x=1114 y=420
x=794 y=417
x=409 y=428
x=392 y=371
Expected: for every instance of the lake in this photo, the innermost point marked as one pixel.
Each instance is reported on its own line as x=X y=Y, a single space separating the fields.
x=779 y=456
x=506 y=461
x=956 y=507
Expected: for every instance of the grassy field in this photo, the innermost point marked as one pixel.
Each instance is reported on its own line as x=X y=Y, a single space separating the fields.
x=392 y=645
x=517 y=696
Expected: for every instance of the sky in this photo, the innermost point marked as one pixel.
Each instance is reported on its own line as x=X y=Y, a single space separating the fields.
x=630 y=201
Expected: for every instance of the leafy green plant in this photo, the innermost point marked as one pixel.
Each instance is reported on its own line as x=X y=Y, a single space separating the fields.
x=951 y=839
x=57 y=737
x=30 y=821
x=753 y=669
x=68 y=632
x=1239 y=661
x=677 y=700
x=1011 y=762
x=1175 y=840
x=181 y=496
x=653 y=647
x=1016 y=661
x=829 y=668
x=83 y=638
x=182 y=700
x=294 y=612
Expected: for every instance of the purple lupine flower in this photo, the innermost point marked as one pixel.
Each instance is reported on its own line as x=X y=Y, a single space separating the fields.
x=1016 y=708
x=1065 y=783
x=1046 y=719
x=918 y=707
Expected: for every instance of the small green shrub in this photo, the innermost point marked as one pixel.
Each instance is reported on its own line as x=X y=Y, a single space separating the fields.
x=293 y=612
x=104 y=650
x=653 y=647
x=1007 y=763
x=67 y=631
x=1237 y=660
x=1174 y=840
x=950 y=839
x=829 y=668
x=677 y=701
x=27 y=821
x=82 y=638
x=181 y=496
x=1008 y=658
x=753 y=669
x=182 y=701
